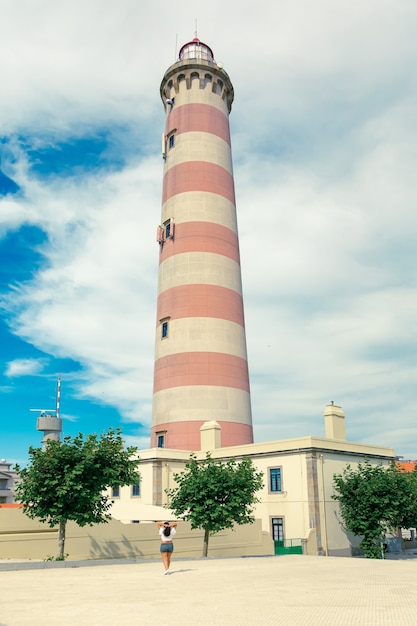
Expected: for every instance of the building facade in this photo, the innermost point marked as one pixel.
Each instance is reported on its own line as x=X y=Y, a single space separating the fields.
x=296 y=505
x=201 y=369
x=8 y=480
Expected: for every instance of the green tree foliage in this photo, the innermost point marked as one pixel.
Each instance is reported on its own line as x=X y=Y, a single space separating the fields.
x=215 y=495
x=66 y=480
x=374 y=500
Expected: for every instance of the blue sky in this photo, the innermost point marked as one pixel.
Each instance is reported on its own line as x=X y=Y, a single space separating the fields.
x=324 y=144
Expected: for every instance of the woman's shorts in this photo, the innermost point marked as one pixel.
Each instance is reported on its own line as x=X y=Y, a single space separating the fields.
x=167 y=547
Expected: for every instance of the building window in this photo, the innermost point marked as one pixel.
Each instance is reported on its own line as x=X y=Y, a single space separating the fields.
x=161 y=441
x=275 y=479
x=277 y=529
x=170 y=138
x=164 y=330
x=115 y=492
x=169 y=228
x=136 y=490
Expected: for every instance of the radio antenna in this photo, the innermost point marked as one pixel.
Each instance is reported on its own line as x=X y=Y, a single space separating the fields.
x=58 y=396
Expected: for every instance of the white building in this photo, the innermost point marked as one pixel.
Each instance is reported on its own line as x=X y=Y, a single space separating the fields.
x=296 y=505
x=8 y=479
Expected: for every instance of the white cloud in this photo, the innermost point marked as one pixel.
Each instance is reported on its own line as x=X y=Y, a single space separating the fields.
x=94 y=301
x=24 y=367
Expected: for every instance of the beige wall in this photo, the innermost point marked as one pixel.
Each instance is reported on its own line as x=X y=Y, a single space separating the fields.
x=23 y=538
x=339 y=541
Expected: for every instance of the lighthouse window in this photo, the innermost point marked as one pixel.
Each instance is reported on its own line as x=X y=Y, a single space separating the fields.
x=170 y=138
x=164 y=330
x=160 y=438
x=169 y=229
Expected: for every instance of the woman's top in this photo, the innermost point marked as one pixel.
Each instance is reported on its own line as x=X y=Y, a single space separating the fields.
x=170 y=536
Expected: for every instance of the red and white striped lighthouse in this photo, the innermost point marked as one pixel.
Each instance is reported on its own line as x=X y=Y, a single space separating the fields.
x=201 y=370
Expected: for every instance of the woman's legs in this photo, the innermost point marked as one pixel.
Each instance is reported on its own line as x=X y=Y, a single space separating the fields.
x=166 y=559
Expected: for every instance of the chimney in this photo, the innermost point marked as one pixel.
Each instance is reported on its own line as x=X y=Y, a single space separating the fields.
x=334 y=422
x=210 y=436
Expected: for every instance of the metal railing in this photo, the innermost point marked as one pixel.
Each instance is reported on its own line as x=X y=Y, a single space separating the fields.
x=288 y=546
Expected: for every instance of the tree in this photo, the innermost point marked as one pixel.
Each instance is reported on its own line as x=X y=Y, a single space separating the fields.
x=374 y=500
x=409 y=480
x=215 y=495
x=66 y=480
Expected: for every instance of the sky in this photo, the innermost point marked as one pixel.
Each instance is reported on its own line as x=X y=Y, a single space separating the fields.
x=324 y=142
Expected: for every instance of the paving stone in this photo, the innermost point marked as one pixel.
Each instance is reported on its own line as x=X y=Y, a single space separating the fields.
x=257 y=591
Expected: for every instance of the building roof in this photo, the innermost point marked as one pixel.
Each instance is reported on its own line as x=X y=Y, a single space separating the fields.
x=407 y=466
x=283 y=446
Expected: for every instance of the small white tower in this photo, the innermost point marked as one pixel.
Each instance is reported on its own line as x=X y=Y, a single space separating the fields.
x=49 y=421
x=50 y=425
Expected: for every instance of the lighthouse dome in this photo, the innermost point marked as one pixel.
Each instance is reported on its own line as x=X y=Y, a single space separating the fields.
x=196 y=49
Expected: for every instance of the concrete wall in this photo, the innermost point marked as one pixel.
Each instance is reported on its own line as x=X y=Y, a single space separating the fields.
x=23 y=538
x=337 y=541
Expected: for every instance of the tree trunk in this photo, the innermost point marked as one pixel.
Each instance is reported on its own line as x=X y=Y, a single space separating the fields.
x=205 y=542
x=61 y=540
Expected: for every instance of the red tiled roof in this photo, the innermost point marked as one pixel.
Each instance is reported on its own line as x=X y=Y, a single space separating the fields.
x=407 y=466
x=11 y=506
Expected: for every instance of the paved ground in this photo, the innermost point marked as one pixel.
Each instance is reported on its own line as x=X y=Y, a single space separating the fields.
x=256 y=591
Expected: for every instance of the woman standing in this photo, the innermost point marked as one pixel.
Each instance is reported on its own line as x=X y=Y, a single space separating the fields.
x=166 y=532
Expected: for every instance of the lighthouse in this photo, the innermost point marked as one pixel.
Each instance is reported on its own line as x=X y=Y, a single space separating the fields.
x=201 y=369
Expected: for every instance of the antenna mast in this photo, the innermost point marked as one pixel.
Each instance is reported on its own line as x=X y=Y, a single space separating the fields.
x=58 y=396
